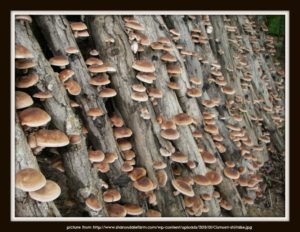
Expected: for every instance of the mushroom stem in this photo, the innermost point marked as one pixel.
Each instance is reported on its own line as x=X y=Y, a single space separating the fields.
x=176 y=193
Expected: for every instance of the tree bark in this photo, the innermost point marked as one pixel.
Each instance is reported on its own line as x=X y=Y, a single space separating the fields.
x=82 y=180
x=24 y=205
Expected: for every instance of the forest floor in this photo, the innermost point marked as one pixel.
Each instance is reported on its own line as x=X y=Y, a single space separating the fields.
x=272 y=201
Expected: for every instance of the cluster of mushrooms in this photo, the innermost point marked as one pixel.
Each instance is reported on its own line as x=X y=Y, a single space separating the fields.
x=31 y=116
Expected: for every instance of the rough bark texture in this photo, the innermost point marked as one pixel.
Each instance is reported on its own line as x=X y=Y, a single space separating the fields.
x=51 y=35
x=82 y=181
x=24 y=205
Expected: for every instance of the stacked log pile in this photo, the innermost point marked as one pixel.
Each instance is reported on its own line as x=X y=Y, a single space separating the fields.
x=144 y=116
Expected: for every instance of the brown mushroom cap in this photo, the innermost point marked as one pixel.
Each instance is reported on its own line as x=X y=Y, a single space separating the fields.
x=208 y=157
x=194 y=92
x=248 y=200
x=146 y=77
x=135 y=26
x=128 y=155
x=157 y=46
x=122 y=132
x=221 y=148
x=73 y=87
x=24 y=64
x=233 y=127
x=183 y=187
x=202 y=180
x=218 y=138
x=208 y=103
x=168 y=48
x=74 y=103
x=124 y=144
x=82 y=34
x=142 y=38
x=163 y=40
x=216 y=194
x=78 y=26
x=58 y=165
x=59 y=61
x=111 y=195
x=188 y=201
x=195 y=80
x=24 y=18
x=133 y=209
x=161 y=177
x=187 y=179
x=212 y=129
x=93 y=61
x=144 y=184
x=138 y=88
x=99 y=80
x=102 y=167
x=27 y=80
x=116 y=120
x=65 y=74
x=95 y=112
x=174 y=69
x=72 y=50
x=48 y=192
x=154 y=92
x=93 y=203
x=143 y=66
x=95 y=68
x=179 y=157
x=209 y=122
x=169 y=134
x=22 y=52
x=107 y=92
x=230 y=164
x=197 y=134
x=168 y=57
x=50 y=138
x=152 y=213
x=173 y=85
x=29 y=179
x=206 y=196
x=225 y=204
x=168 y=124
x=110 y=157
x=23 y=100
x=208 y=115
x=231 y=173
x=191 y=164
x=96 y=156
x=137 y=173
x=159 y=165
x=116 y=210
x=34 y=117
x=183 y=119
x=126 y=167
x=139 y=97
x=164 y=152
x=214 y=177
x=174 y=32
x=75 y=139
x=43 y=95
x=228 y=90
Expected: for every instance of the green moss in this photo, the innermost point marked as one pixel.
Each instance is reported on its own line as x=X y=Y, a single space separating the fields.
x=276 y=25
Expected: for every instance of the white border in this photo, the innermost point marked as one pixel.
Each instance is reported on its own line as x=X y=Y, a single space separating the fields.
x=141 y=219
